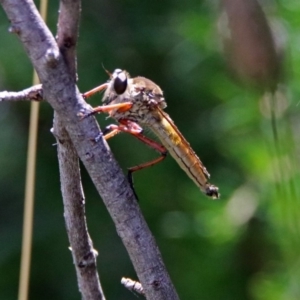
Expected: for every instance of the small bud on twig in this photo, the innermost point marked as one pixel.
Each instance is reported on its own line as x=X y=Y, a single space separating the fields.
x=132 y=285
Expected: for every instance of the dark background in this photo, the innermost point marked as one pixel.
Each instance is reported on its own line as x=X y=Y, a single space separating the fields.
x=243 y=246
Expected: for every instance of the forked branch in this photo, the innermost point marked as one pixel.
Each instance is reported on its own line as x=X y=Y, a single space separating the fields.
x=63 y=95
x=84 y=256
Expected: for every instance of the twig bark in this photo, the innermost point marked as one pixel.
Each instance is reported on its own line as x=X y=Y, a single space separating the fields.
x=84 y=256
x=34 y=93
x=63 y=95
x=67 y=32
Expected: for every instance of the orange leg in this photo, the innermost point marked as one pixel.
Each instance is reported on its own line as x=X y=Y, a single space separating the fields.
x=112 y=134
x=122 y=107
x=95 y=90
x=153 y=144
x=134 y=129
x=112 y=130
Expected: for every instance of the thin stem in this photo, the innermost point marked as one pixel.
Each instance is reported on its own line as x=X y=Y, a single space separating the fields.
x=84 y=256
x=29 y=192
x=30 y=187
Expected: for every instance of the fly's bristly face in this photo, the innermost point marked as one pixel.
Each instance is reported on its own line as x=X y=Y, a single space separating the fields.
x=120 y=81
x=117 y=86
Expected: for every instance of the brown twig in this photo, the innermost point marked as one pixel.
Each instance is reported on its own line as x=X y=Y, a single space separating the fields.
x=84 y=256
x=67 y=32
x=63 y=95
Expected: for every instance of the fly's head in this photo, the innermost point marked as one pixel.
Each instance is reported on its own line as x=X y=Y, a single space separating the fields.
x=120 y=81
x=117 y=85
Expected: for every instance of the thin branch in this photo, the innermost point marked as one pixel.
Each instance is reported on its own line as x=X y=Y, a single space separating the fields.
x=64 y=97
x=34 y=93
x=84 y=256
x=68 y=25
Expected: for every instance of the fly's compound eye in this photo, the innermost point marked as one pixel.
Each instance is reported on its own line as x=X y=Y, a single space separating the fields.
x=120 y=82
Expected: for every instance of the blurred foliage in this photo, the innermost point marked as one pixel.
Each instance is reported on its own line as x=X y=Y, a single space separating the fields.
x=244 y=246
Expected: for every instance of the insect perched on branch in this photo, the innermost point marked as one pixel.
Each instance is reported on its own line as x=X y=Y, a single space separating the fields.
x=137 y=102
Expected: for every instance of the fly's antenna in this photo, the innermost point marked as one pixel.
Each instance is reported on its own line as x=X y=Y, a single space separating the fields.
x=106 y=71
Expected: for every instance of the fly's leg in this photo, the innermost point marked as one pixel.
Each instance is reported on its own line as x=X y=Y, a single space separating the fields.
x=153 y=144
x=112 y=130
x=120 y=107
x=95 y=90
x=112 y=133
x=135 y=130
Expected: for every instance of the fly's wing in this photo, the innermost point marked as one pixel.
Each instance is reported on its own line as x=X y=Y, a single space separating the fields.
x=182 y=152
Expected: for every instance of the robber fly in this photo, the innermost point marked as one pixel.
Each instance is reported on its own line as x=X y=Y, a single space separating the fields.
x=137 y=102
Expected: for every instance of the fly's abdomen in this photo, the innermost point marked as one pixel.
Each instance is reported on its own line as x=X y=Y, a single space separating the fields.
x=182 y=152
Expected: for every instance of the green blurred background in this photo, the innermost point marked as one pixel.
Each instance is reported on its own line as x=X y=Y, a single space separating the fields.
x=243 y=246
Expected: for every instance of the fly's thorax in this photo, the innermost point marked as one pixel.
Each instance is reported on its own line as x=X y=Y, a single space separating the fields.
x=144 y=94
x=146 y=91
